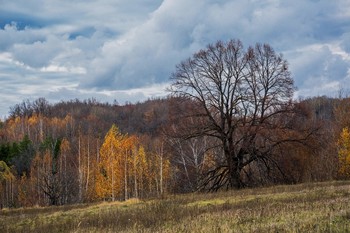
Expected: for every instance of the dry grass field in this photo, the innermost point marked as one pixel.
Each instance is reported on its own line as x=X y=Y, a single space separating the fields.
x=315 y=207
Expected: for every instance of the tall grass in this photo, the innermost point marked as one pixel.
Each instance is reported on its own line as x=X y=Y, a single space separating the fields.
x=318 y=207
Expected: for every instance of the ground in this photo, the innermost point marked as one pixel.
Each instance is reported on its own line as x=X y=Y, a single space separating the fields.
x=314 y=207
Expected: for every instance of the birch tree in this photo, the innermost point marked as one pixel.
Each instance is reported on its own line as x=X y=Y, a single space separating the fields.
x=344 y=153
x=108 y=180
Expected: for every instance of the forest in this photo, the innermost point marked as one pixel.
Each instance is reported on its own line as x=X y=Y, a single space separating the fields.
x=56 y=154
x=230 y=122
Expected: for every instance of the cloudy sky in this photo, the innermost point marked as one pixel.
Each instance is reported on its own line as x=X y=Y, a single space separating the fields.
x=125 y=50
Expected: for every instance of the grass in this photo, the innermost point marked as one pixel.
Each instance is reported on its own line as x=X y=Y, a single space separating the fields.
x=316 y=207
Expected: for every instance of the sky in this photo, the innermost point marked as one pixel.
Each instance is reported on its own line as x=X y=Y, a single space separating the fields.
x=126 y=50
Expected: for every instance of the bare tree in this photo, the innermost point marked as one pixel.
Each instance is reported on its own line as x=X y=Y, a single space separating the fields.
x=243 y=99
x=189 y=155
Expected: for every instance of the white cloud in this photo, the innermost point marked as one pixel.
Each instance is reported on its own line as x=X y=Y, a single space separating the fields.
x=104 y=48
x=322 y=69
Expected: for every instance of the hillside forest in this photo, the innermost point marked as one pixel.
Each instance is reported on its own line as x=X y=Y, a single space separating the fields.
x=83 y=151
x=230 y=122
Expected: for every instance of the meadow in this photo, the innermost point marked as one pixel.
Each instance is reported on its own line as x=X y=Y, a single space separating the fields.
x=313 y=207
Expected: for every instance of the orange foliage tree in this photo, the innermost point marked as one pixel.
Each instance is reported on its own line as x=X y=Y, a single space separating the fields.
x=126 y=169
x=344 y=153
x=108 y=178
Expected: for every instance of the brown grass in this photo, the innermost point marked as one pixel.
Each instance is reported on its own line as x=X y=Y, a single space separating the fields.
x=317 y=207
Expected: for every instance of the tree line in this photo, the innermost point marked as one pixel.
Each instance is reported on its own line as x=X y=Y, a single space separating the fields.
x=62 y=160
x=50 y=159
x=229 y=122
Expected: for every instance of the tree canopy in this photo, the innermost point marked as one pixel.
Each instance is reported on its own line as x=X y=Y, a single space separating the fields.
x=243 y=99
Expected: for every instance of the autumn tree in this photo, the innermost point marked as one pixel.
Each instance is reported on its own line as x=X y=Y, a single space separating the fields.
x=160 y=167
x=139 y=164
x=189 y=157
x=318 y=160
x=7 y=180
x=242 y=99
x=344 y=153
x=45 y=172
x=108 y=179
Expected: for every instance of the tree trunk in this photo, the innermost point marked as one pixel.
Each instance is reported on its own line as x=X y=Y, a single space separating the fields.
x=235 y=180
x=80 y=177
x=161 y=172
x=65 y=179
x=112 y=163
x=41 y=128
x=125 y=177
x=88 y=167
x=234 y=168
x=135 y=175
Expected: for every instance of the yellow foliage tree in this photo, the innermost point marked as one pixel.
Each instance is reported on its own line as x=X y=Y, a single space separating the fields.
x=344 y=153
x=140 y=168
x=125 y=169
x=6 y=185
x=110 y=175
x=158 y=168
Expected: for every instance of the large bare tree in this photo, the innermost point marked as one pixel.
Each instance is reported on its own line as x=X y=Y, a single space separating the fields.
x=242 y=98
